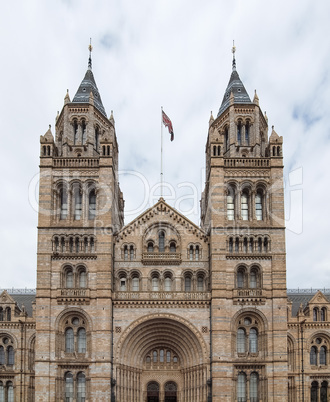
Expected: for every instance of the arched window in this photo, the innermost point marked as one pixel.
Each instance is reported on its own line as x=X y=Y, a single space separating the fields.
x=315 y=313
x=214 y=150
x=323 y=356
x=161 y=356
x=155 y=356
x=265 y=245
x=123 y=283
x=131 y=253
x=8 y=313
x=226 y=139
x=254 y=379
x=63 y=203
x=323 y=314
x=239 y=133
x=314 y=391
x=81 y=335
x=241 y=387
x=75 y=130
x=253 y=279
x=197 y=253
x=62 y=245
x=10 y=391
x=125 y=252
x=236 y=245
x=69 y=394
x=168 y=284
x=219 y=150
x=10 y=355
x=77 y=245
x=92 y=205
x=81 y=387
x=77 y=204
x=2 y=392
x=97 y=138
x=245 y=206
x=313 y=356
x=259 y=245
x=2 y=356
x=150 y=247
x=69 y=340
x=247 y=133
x=187 y=283
x=245 y=245
x=135 y=283
x=253 y=341
x=1 y=314
x=259 y=211
x=69 y=278
x=82 y=278
x=84 y=133
x=172 y=247
x=155 y=283
x=231 y=205
x=241 y=340
x=200 y=283
x=168 y=356
x=191 y=253
x=251 y=245
x=324 y=391
x=161 y=243
x=241 y=278
x=231 y=242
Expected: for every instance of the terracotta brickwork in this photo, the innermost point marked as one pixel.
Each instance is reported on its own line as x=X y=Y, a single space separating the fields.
x=161 y=309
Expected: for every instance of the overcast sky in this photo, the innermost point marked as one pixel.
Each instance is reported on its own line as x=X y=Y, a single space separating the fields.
x=175 y=54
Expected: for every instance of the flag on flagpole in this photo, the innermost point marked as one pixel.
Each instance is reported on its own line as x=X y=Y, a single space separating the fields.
x=167 y=123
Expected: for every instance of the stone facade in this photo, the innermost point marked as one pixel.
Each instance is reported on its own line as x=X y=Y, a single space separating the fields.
x=162 y=309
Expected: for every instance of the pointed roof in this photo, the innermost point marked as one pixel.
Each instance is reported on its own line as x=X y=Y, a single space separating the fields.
x=236 y=87
x=87 y=86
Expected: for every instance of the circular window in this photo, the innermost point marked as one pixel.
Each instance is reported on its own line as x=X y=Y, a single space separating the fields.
x=318 y=340
x=5 y=341
x=84 y=89
x=75 y=321
x=247 y=321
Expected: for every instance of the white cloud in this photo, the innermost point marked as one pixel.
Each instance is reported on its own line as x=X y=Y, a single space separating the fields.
x=173 y=54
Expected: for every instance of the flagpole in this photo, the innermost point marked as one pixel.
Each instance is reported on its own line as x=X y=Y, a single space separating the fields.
x=161 y=152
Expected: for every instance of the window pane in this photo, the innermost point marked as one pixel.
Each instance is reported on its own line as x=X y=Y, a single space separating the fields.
x=68 y=387
x=230 y=207
x=64 y=204
x=155 y=285
x=240 y=279
x=135 y=284
x=2 y=355
x=259 y=207
x=240 y=340
x=323 y=355
x=253 y=280
x=253 y=341
x=82 y=340
x=161 y=356
x=168 y=356
x=254 y=387
x=69 y=279
x=244 y=207
x=69 y=341
x=313 y=356
x=10 y=357
x=161 y=241
x=92 y=205
x=81 y=394
x=200 y=283
x=77 y=205
x=187 y=284
x=168 y=284
x=2 y=392
x=241 y=388
x=10 y=389
x=82 y=279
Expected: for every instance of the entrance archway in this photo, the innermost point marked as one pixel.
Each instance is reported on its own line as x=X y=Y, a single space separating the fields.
x=153 y=392
x=170 y=392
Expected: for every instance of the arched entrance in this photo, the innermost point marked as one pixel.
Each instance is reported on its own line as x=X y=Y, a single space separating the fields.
x=153 y=392
x=170 y=392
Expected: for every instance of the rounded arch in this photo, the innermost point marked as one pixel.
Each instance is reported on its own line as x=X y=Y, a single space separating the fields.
x=69 y=312
x=14 y=341
x=318 y=334
x=253 y=313
x=172 y=331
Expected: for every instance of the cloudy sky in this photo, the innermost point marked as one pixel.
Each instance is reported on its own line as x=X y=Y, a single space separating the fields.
x=175 y=54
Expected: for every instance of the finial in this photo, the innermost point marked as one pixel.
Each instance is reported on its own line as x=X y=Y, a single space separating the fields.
x=234 y=60
x=50 y=126
x=90 y=48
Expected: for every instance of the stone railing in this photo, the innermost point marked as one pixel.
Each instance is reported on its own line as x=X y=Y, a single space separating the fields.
x=73 y=296
x=247 y=292
x=162 y=296
x=75 y=162
x=249 y=296
x=247 y=162
x=161 y=258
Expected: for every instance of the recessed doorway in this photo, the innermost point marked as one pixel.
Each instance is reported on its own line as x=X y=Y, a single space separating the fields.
x=153 y=392
x=170 y=392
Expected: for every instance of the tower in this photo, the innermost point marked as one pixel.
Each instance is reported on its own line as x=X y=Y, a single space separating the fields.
x=242 y=211
x=80 y=207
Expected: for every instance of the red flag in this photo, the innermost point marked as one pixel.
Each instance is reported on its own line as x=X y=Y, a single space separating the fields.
x=167 y=123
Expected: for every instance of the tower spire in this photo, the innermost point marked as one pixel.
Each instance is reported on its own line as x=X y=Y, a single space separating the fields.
x=90 y=48
x=234 y=51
